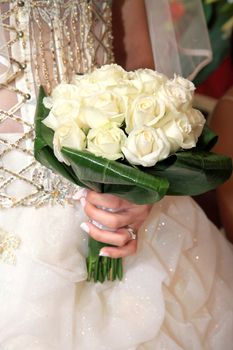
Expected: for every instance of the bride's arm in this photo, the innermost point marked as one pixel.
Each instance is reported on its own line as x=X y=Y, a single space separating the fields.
x=132 y=46
x=222 y=123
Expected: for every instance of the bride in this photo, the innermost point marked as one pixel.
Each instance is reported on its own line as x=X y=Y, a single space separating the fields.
x=177 y=290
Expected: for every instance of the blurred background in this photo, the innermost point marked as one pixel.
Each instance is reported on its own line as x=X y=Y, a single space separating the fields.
x=214 y=96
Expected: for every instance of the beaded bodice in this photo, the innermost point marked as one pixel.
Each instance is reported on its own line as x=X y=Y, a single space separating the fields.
x=47 y=41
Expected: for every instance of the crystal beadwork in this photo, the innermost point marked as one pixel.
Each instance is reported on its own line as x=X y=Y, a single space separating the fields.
x=48 y=42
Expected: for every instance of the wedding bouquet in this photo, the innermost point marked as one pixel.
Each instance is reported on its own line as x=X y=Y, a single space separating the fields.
x=132 y=134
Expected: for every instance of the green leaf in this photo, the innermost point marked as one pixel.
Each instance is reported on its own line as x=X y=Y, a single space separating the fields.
x=117 y=178
x=133 y=194
x=207 y=139
x=41 y=113
x=193 y=172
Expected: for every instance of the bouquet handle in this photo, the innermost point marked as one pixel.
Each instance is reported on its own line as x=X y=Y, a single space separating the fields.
x=101 y=268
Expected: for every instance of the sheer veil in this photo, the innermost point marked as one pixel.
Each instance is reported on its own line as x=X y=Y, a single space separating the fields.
x=179 y=36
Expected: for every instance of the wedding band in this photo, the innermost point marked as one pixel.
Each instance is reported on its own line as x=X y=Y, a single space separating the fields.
x=132 y=233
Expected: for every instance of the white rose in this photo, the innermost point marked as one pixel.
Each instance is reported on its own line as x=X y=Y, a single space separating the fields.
x=68 y=135
x=102 y=108
x=61 y=92
x=100 y=79
x=109 y=74
x=183 y=130
x=127 y=89
x=150 y=79
x=176 y=132
x=146 y=146
x=86 y=86
x=65 y=92
x=48 y=102
x=177 y=93
x=63 y=112
x=144 y=110
x=185 y=83
x=106 y=141
x=197 y=121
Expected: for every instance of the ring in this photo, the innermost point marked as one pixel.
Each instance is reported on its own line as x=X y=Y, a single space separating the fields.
x=132 y=233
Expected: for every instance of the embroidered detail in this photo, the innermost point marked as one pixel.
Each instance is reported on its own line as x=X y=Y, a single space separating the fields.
x=56 y=190
x=8 y=244
x=48 y=42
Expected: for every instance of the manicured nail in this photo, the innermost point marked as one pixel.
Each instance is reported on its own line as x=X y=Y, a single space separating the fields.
x=79 y=194
x=83 y=202
x=85 y=227
x=97 y=224
x=101 y=253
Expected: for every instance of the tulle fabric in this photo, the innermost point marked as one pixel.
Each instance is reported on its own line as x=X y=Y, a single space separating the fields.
x=177 y=291
x=179 y=36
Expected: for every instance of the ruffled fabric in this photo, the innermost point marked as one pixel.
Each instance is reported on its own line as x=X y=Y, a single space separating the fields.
x=177 y=291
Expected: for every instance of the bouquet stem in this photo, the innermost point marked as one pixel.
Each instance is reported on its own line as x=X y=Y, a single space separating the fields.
x=101 y=268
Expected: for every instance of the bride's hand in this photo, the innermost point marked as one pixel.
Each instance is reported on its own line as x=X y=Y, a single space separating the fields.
x=124 y=218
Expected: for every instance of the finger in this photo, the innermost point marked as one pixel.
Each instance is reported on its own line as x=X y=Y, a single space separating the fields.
x=111 y=220
x=129 y=249
x=82 y=192
x=119 y=238
x=106 y=201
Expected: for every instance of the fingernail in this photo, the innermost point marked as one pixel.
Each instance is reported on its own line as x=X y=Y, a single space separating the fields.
x=83 y=202
x=101 y=253
x=85 y=227
x=97 y=224
x=79 y=194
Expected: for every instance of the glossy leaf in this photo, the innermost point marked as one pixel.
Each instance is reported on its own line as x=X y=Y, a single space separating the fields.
x=192 y=172
x=113 y=177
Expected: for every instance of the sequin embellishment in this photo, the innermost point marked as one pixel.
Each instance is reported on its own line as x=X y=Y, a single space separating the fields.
x=8 y=244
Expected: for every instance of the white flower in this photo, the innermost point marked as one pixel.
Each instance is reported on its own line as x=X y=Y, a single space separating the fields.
x=146 y=146
x=86 y=86
x=65 y=92
x=127 y=88
x=197 y=121
x=177 y=131
x=144 y=110
x=106 y=141
x=100 y=80
x=102 y=108
x=68 y=135
x=48 y=102
x=150 y=79
x=177 y=93
x=62 y=112
x=183 y=129
x=109 y=74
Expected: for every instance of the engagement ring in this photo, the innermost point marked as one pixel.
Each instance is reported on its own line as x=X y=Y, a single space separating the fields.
x=132 y=233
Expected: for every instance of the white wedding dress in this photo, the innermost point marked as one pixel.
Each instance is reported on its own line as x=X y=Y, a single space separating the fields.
x=177 y=290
